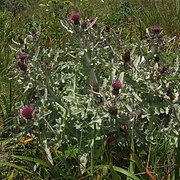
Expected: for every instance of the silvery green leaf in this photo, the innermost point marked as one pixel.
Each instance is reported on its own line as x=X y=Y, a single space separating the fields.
x=91 y=25
x=14 y=49
x=147 y=32
x=133 y=50
x=81 y=53
x=15 y=42
x=57 y=55
x=177 y=65
x=129 y=108
x=162 y=110
x=121 y=77
x=76 y=112
x=48 y=152
x=69 y=98
x=137 y=97
x=136 y=62
x=36 y=54
x=65 y=26
x=167 y=110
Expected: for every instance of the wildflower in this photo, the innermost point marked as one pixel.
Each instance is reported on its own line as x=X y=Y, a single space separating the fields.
x=156 y=29
x=26 y=112
x=117 y=84
x=23 y=56
x=75 y=17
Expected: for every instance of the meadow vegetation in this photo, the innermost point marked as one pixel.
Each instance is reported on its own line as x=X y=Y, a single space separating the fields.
x=89 y=89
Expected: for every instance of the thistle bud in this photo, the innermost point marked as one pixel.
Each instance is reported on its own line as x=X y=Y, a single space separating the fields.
x=163 y=68
x=113 y=110
x=126 y=56
x=96 y=87
x=123 y=128
x=93 y=21
x=115 y=91
x=33 y=31
x=22 y=66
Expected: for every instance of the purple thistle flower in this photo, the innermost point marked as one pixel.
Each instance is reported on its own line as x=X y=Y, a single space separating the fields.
x=117 y=85
x=75 y=17
x=23 y=56
x=26 y=112
x=156 y=29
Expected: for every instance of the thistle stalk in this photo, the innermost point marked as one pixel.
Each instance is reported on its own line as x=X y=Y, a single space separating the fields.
x=92 y=74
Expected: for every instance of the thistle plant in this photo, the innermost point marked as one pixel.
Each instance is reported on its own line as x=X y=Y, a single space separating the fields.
x=96 y=94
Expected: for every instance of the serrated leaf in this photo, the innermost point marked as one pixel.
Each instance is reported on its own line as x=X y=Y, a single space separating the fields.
x=65 y=26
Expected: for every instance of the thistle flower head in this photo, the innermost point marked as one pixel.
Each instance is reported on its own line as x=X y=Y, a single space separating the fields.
x=75 y=17
x=156 y=29
x=26 y=112
x=23 y=56
x=117 y=85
